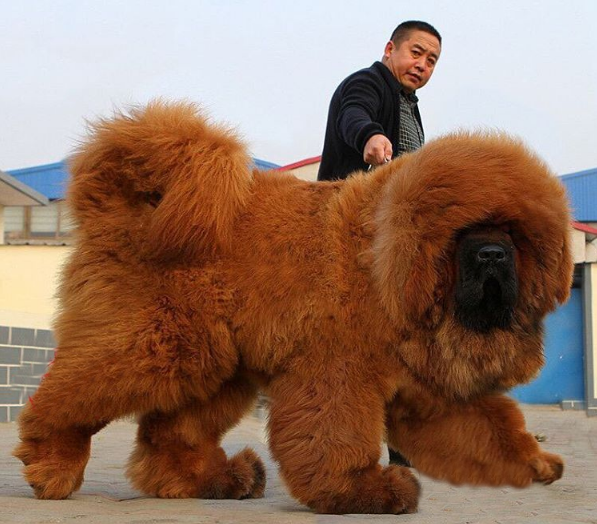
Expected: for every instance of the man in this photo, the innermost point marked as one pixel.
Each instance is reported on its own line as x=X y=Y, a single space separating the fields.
x=373 y=114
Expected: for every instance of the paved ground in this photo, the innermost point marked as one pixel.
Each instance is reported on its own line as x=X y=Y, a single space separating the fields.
x=106 y=498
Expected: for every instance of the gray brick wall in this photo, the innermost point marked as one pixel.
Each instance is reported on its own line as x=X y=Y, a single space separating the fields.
x=4 y=333
x=24 y=357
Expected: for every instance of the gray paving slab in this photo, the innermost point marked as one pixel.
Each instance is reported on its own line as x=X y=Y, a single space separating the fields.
x=107 y=498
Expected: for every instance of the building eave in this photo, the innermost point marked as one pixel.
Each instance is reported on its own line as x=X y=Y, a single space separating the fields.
x=14 y=193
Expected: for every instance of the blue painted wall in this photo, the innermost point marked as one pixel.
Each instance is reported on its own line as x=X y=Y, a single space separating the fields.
x=582 y=188
x=562 y=377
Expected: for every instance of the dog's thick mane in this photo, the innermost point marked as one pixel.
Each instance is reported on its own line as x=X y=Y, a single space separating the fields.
x=455 y=182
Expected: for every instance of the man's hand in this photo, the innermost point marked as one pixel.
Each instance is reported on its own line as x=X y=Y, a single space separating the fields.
x=378 y=150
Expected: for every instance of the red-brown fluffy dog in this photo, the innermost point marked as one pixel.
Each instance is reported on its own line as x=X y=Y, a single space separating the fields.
x=400 y=304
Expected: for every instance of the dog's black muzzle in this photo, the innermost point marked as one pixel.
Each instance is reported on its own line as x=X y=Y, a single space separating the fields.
x=487 y=287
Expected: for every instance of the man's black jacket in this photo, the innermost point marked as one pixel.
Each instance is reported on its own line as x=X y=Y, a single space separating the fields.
x=364 y=104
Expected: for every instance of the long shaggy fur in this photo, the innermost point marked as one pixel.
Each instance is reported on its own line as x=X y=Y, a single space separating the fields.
x=196 y=282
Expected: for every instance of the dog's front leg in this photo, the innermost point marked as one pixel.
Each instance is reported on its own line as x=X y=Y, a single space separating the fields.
x=326 y=432
x=484 y=442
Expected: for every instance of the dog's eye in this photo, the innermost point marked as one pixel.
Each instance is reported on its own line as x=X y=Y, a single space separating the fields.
x=153 y=198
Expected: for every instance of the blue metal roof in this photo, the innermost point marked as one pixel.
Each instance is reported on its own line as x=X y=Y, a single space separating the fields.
x=51 y=179
x=582 y=191
x=264 y=165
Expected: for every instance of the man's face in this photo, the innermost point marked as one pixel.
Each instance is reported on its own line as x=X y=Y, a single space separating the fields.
x=413 y=62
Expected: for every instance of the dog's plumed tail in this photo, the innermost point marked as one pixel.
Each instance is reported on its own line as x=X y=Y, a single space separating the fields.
x=162 y=179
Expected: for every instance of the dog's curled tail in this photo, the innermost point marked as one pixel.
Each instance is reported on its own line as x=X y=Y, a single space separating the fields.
x=164 y=178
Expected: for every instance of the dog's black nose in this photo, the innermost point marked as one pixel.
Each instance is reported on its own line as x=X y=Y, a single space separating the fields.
x=491 y=253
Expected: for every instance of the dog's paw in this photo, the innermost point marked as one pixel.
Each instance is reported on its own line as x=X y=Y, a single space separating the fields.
x=547 y=468
x=247 y=473
x=53 y=480
x=197 y=475
x=403 y=488
x=241 y=477
x=392 y=490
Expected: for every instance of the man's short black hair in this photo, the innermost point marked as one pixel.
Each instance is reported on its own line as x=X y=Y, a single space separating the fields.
x=404 y=29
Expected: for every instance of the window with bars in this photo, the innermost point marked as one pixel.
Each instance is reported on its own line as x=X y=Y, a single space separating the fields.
x=37 y=222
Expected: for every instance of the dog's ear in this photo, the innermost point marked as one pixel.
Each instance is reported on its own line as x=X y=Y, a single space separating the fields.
x=557 y=243
x=545 y=265
x=559 y=283
x=406 y=264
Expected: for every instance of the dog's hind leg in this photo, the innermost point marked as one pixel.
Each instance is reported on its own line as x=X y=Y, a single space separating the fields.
x=178 y=454
x=55 y=455
x=74 y=401
x=82 y=392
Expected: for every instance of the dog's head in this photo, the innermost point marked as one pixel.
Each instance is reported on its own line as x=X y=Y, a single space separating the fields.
x=471 y=251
